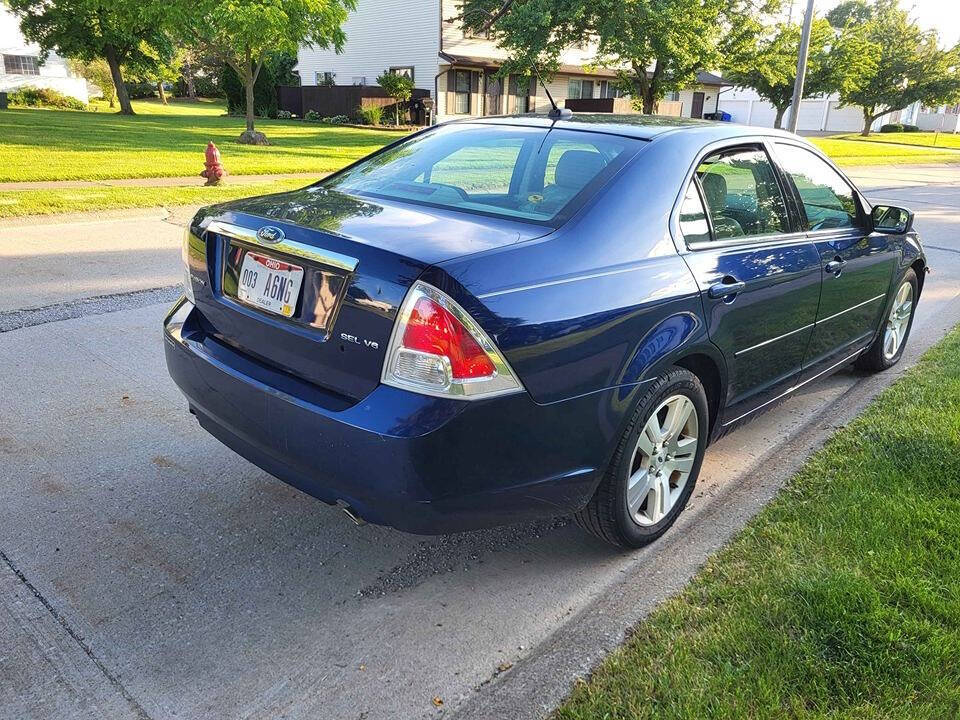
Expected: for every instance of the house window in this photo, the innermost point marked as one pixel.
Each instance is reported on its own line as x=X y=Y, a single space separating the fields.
x=325 y=78
x=358 y=80
x=21 y=65
x=579 y=88
x=519 y=101
x=610 y=89
x=673 y=96
x=406 y=71
x=461 y=87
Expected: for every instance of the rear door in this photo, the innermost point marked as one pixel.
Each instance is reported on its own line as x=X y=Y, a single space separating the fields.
x=758 y=277
x=857 y=265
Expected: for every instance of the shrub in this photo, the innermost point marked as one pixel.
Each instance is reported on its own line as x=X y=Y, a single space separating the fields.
x=372 y=115
x=891 y=128
x=911 y=128
x=44 y=97
x=399 y=87
x=141 y=90
x=312 y=116
x=284 y=114
x=276 y=70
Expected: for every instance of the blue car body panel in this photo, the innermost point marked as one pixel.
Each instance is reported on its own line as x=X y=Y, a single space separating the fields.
x=587 y=314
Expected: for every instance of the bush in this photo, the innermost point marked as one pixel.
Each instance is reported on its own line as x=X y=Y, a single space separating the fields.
x=911 y=128
x=891 y=128
x=44 y=97
x=314 y=116
x=207 y=87
x=284 y=114
x=372 y=115
x=141 y=90
x=277 y=70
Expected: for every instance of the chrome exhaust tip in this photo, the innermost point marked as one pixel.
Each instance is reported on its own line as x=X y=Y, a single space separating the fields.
x=351 y=513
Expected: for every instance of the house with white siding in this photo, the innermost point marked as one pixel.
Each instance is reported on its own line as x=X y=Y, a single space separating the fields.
x=22 y=66
x=425 y=40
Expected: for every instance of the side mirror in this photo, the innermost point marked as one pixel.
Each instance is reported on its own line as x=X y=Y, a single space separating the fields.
x=891 y=219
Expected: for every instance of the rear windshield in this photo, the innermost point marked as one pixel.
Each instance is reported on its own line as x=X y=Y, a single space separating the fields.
x=532 y=174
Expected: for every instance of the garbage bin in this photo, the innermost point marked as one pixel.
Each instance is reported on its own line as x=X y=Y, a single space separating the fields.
x=722 y=116
x=3 y=101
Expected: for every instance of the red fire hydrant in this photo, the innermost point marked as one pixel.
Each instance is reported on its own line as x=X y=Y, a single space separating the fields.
x=214 y=170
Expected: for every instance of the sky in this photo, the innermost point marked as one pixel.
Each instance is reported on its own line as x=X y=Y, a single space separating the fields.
x=940 y=15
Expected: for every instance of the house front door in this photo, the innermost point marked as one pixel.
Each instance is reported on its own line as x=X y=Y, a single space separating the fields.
x=493 y=93
x=697 y=110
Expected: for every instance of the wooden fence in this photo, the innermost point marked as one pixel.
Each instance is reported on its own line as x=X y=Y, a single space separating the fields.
x=329 y=100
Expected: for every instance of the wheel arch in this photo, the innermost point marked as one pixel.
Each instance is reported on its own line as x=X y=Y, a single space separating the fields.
x=708 y=370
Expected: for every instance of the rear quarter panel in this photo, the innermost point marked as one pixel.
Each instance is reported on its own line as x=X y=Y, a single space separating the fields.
x=604 y=302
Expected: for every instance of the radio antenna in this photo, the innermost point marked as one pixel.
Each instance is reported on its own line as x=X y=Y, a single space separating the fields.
x=556 y=113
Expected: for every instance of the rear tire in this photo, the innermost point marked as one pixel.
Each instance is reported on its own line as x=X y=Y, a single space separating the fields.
x=655 y=467
x=888 y=346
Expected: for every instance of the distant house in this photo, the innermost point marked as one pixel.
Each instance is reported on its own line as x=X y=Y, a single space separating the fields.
x=22 y=65
x=424 y=40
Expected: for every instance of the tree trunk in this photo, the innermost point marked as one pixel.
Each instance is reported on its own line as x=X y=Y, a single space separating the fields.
x=248 y=82
x=124 y=99
x=778 y=120
x=396 y=113
x=868 y=119
x=188 y=77
x=162 y=92
x=649 y=105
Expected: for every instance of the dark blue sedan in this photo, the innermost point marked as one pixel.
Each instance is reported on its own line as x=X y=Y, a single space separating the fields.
x=510 y=318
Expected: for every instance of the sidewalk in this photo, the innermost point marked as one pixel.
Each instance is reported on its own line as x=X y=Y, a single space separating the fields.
x=192 y=181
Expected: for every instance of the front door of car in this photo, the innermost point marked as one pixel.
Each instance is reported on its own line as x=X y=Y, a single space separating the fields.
x=857 y=265
x=759 y=279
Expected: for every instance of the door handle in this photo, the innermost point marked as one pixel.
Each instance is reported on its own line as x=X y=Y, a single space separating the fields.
x=835 y=266
x=728 y=288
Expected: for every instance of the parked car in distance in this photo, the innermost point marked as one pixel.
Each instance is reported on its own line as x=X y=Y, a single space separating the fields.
x=508 y=318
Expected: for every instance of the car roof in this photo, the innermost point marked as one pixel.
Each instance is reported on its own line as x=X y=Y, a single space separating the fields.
x=645 y=127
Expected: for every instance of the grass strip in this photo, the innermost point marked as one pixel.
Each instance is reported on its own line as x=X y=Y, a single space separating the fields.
x=841 y=599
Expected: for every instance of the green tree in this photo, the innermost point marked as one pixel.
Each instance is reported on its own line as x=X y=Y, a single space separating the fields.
x=244 y=34
x=904 y=64
x=96 y=72
x=659 y=45
x=397 y=86
x=159 y=71
x=120 y=32
x=766 y=61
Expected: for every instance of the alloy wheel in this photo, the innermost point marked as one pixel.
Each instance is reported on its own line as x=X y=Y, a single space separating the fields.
x=898 y=321
x=662 y=460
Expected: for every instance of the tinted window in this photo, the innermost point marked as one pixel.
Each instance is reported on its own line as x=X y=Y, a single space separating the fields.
x=525 y=173
x=827 y=198
x=742 y=194
x=693 y=218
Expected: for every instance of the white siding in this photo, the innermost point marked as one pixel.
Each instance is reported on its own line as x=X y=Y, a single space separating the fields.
x=54 y=73
x=847 y=119
x=381 y=34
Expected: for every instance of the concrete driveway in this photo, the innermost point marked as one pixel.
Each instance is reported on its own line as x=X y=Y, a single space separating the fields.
x=148 y=572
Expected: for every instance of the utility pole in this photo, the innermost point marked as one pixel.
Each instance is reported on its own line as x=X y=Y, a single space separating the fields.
x=801 y=67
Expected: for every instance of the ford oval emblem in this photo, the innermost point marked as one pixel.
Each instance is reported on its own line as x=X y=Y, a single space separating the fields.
x=269 y=234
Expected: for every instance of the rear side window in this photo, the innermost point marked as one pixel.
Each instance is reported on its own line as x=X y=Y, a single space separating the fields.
x=532 y=174
x=693 y=218
x=828 y=200
x=742 y=194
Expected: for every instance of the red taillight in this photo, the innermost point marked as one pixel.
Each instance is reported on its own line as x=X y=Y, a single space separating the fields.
x=433 y=329
x=438 y=349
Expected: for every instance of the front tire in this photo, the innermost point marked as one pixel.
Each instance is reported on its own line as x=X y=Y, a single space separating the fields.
x=888 y=346
x=655 y=467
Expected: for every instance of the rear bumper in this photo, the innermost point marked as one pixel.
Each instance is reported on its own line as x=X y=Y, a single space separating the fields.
x=417 y=463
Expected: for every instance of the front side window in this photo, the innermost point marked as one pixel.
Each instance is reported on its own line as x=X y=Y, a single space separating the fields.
x=461 y=86
x=742 y=194
x=828 y=201
x=531 y=174
x=20 y=65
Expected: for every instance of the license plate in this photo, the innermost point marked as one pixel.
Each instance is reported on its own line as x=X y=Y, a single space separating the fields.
x=270 y=284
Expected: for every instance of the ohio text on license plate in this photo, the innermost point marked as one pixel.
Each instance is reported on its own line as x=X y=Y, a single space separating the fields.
x=270 y=284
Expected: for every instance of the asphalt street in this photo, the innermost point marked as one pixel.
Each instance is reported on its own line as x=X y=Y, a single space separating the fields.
x=148 y=572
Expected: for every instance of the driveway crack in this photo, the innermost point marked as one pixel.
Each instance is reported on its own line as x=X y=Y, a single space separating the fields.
x=77 y=638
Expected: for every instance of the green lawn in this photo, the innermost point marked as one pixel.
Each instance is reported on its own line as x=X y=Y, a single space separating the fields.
x=854 y=150
x=840 y=600
x=166 y=142
x=17 y=203
x=926 y=139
